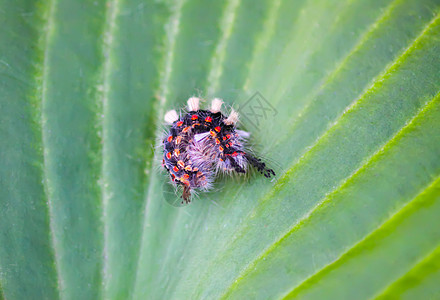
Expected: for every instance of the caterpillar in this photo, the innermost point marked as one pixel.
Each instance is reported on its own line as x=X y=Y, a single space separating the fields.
x=201 y=143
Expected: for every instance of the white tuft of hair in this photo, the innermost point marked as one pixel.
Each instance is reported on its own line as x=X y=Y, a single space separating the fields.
x=171 y=116
x=232 y=119
x=193 y=104
x=243 y=134
x=216 y=105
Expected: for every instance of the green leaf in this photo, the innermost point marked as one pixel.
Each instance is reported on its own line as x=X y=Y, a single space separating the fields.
x=86 y=213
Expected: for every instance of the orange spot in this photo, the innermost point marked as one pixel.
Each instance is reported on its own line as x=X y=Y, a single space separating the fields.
x=170 y=138
x=195 y=124
x=221 y=159
x=208 y=119
x=199 y=174
x=217 y=128
x=175 y=169
x=217 y=141
x=185 y=176
x=181 y=164
x=228 y=136
x=169 y=155
x=220 y=148
x=188 y=168
x=227 y=145
x=224 y=138
x=176 y=152
x=195 y=169
x=180 y=123
x=186 y=129
x=194 y=117
x=212 y=133
x=178 y=139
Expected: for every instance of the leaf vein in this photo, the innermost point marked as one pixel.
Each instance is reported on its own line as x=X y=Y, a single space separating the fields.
x=380 y=78
x=172 y=31
x=227 y=23
x=431 y=255
x=47 y=32
x=109 y=31
x=372 y=233
x=340 y=66
x=247 y=270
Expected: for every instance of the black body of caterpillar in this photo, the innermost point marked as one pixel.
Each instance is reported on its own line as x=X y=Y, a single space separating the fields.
x=201 y=143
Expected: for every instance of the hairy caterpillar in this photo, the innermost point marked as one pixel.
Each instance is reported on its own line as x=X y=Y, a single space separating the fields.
x=201 y=143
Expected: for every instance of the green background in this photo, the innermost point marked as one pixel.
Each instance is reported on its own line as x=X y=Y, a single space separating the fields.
x=85 y=212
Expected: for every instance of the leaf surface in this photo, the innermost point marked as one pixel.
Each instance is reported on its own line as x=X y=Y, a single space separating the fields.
x=86 y=213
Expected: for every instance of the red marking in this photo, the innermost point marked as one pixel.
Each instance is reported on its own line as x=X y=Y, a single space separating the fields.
x=175 y=169
x=195 y=124
x=194 y=117
x=217 y=128
x=212 y=133
x=199 y=174
x=195 y=169
x=186 y=129
x=170 y=138
x=173 y=177
x=178 y=139
x=163 y=162
x=185 y=176
x=234 y=154
x=227 y=145
x=176 y=152
x=169 y=155
x=181 y=164
x=220 y=148
x=208 y=119
x=224 y=138
x=180 y=123
x=188 y=168
x=217 y=141
x=228 y=136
